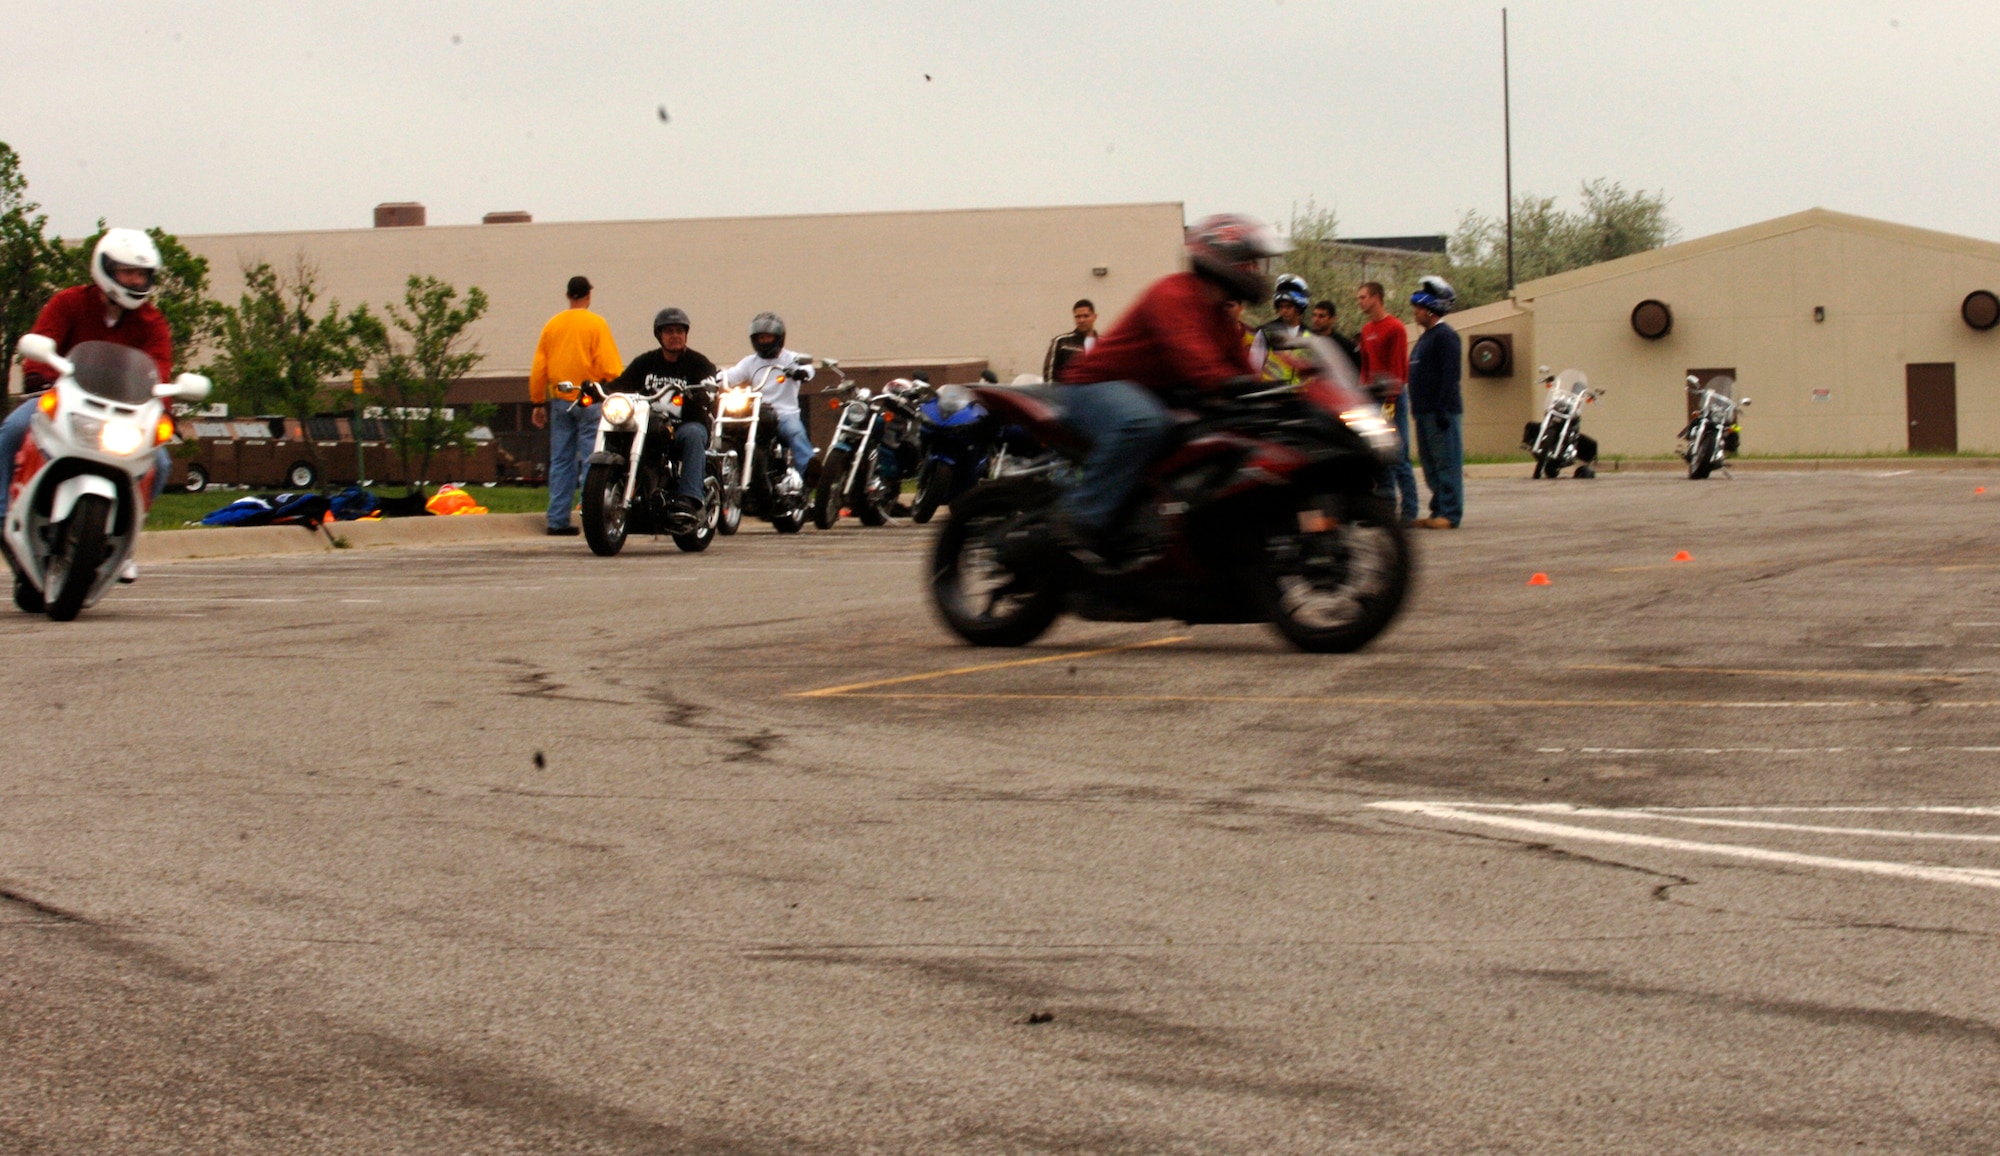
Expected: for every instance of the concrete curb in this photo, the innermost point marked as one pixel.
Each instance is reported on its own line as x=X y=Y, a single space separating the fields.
x=1753 y=465
x=242 y=541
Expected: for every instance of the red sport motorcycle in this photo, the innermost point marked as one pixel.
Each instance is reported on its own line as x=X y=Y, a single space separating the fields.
x=1261 y=509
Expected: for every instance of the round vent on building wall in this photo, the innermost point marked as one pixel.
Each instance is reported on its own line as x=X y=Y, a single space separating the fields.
x=1652 y=320
x=1491 y=355
x=1980 y=309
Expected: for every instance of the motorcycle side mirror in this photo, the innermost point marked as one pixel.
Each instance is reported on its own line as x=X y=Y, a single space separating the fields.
x=1694 y=382
x=1745 y=401
x=42 y=348
x=188 y=387
x=829 y=362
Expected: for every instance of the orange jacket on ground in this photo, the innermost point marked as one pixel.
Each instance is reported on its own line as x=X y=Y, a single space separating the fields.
x=576 y=346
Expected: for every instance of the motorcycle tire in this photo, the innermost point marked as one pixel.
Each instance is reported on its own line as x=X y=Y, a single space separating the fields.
x=1035 y=586
x=698 y=539
x=79 y=552
x=826 y=502
x=1288 y=552
x=27 y=599
x=933 y=484
x=1701 y=458
x=875 y=501
x=1552 y=468
x=788 y=521
x=604 y=510
x=730 y=518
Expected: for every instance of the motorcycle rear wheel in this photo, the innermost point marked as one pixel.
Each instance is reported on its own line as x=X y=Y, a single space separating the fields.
x=27 y=599
x=826 y=501
x=604 y=510
x=1020 y=600
x=79 y=552
x=1701 y=458
x=933 y=484
x=708 y=521
x=1333 y=589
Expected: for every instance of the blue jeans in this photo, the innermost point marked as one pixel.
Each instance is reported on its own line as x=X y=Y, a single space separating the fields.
x=792 y=431
x=691 y=447
x=1126 y=426
x=572 y=437
x=1441 y=449
x=14 y=431
x=1401 y=479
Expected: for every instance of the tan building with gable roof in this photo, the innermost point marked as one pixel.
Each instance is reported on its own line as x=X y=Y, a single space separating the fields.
x=1850 y=335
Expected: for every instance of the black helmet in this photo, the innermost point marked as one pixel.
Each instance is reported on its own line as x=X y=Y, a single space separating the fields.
x=767 y=334
x=1230 y=250
x=671 y=315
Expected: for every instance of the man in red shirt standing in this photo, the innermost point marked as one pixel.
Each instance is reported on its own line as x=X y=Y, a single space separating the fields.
x=1178 y=338
x=1385 y=368
x=116 y=306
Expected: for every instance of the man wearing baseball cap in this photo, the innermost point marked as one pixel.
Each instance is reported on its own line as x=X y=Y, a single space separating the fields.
x=575 y=347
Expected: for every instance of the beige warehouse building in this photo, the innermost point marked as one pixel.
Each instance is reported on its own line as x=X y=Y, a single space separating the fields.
x=1850 y=335
x=966 y=289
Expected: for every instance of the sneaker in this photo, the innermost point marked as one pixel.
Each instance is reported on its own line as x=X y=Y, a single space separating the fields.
x=564 y=531
x=130 y=573
x=1436 y=523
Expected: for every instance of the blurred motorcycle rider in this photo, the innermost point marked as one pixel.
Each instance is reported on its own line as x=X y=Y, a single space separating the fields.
x=1179 y=338
x=673 y=366
x=117 y=306
x=781 y=390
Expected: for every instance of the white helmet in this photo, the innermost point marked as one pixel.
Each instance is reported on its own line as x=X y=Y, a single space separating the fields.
x=125 y=249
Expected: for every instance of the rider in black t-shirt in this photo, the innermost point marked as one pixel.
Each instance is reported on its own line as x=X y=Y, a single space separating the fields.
x=674 y=364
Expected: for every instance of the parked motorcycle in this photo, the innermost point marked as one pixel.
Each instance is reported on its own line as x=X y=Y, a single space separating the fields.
x=760 y=478
x=1712 y=434
x=83 y=479
x=1559 y=442
x=961 y=447
x=1264 y=510
x=634 y=474
x=854 y=476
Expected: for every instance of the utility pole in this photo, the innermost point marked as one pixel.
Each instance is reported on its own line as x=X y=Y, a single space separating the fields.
x=1507 y=129
x=360 y=455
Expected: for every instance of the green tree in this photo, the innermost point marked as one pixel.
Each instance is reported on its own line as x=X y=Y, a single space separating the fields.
x=276 y=353
x=1613 y=222
x=416 y=367
x=26 y=255
x=1333 y=269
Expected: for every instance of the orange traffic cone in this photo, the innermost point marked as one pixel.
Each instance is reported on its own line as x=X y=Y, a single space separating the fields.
x=1684 y=556
x=1540 y=579
x=1979 y=489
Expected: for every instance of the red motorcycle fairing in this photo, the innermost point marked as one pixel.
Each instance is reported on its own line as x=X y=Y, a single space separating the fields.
x=1032 y=408
x=27 y=464
x=1334 y=397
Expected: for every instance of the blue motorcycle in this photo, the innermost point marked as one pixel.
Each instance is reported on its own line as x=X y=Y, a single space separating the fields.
x=958 y=443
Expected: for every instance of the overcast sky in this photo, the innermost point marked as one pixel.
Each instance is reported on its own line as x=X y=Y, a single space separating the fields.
x=235 y=116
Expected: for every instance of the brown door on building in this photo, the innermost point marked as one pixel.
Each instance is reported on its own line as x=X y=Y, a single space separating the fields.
x=1932 y=392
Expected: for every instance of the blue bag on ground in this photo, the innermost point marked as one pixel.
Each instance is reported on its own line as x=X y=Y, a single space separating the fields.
x=351 y=503
x=271 y=510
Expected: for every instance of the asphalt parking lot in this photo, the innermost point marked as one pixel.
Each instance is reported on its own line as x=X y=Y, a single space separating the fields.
x=518 y=849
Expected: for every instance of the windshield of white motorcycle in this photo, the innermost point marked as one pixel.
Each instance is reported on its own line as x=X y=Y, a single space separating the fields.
x=115 y=372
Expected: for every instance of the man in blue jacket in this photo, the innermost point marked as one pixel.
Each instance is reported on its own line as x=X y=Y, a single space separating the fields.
x=1436 y=405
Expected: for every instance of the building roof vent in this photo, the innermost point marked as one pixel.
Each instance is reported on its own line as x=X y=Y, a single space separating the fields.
x=508 y=217
x=399 y=215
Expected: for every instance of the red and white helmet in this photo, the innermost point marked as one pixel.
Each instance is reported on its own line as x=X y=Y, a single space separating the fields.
x=1231 y=249
x=121 y=250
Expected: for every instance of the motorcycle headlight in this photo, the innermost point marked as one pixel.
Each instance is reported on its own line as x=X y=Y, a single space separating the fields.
x=618 y=409
x=1379 y=434
x=737 y=402
x=121 y=437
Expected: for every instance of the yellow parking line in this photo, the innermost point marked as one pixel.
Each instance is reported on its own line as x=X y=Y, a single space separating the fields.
x=1863 y=675
x=850 y=688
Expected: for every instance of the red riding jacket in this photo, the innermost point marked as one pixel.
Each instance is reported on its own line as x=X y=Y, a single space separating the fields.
x=76 y=315
x=1176 y=336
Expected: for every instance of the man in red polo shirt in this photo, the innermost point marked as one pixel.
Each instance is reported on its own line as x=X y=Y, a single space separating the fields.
x=1385 y=369
x=115 y=306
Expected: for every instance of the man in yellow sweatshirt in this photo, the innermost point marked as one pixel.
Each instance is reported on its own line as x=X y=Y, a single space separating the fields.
x=576 y=347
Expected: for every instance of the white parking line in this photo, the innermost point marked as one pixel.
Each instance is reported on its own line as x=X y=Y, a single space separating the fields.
x=1762 y=750
x=1514 y=817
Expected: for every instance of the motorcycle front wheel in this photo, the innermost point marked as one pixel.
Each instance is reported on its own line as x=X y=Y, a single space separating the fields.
x=831 y=494
x=1334 y=572
x=698 y=539
x=933 y=483
x=1701 y=459
x=876 y=499
x=985 y=596
x=27 y=599
x=604 y=510
x=79 y=552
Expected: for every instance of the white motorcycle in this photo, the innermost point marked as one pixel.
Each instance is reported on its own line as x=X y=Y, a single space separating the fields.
x=83 y=480
x=1559 y=441
x=634 y=473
